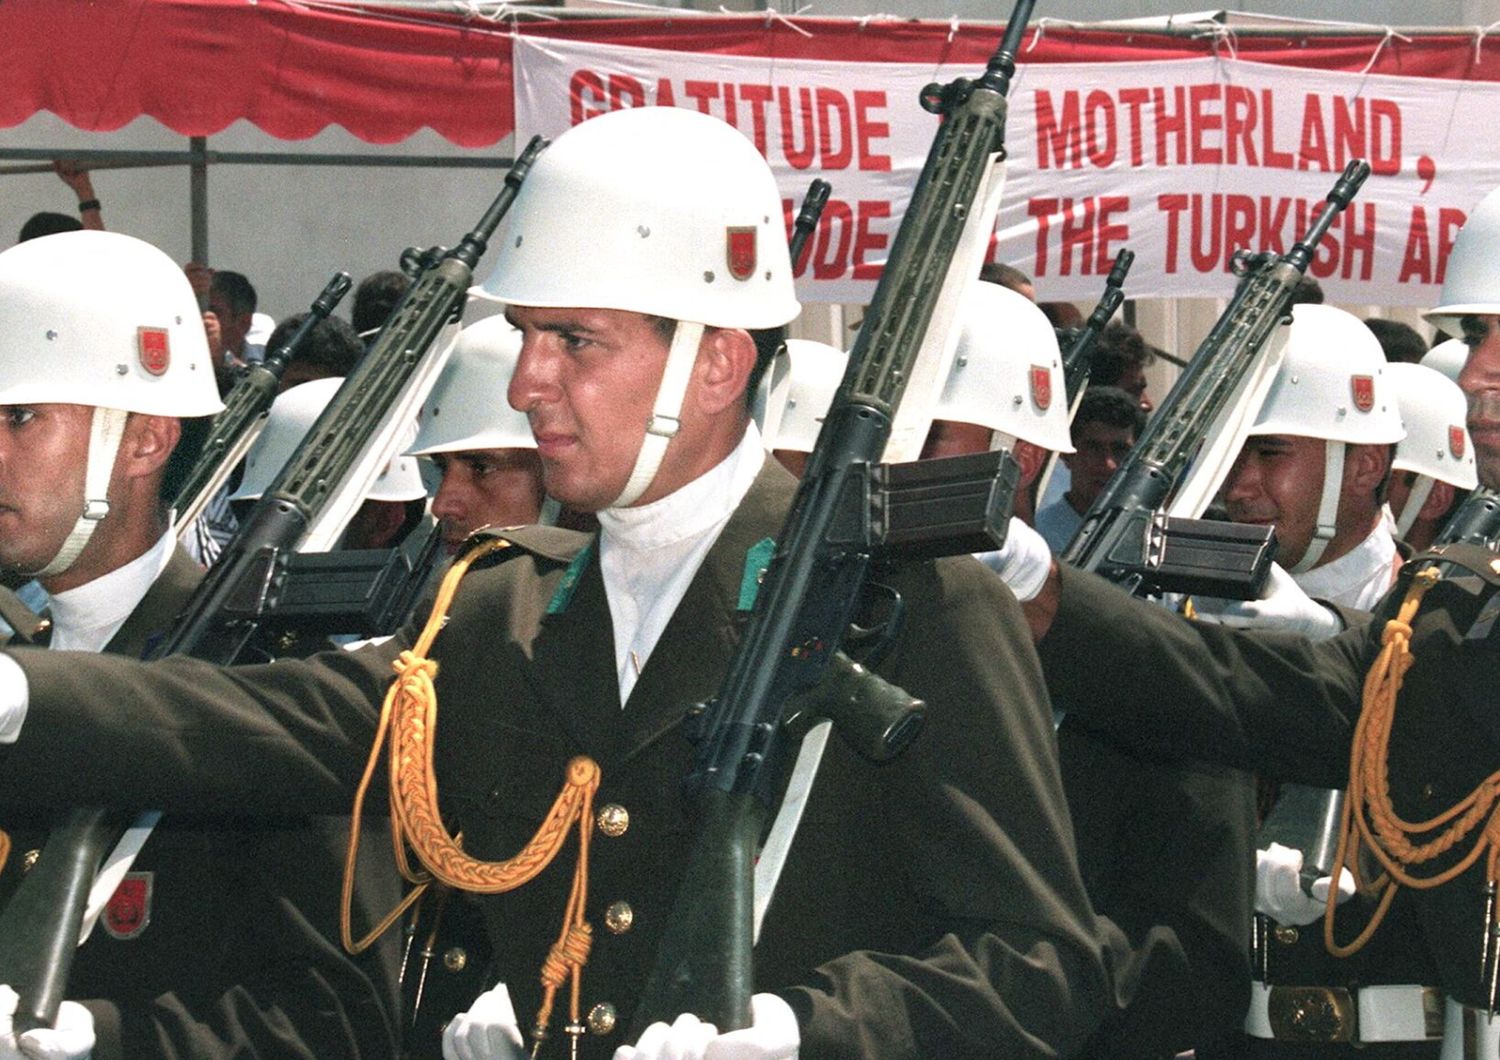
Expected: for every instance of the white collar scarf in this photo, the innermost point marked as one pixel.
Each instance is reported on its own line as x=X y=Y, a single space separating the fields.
x=1358 y=578
x=648 y=555
x=87 y=617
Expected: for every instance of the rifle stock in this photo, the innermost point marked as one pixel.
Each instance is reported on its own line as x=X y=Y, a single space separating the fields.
x=815 y=579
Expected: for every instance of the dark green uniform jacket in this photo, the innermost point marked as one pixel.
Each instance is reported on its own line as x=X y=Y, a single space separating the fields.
x=1286 y=706
x=240 y=955
x=930 y=907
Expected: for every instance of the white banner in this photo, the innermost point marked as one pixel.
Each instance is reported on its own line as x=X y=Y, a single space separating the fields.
x=1182 y=161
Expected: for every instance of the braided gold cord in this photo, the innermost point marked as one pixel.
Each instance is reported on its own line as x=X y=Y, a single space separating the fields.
x=4 y=849
x=408 y=717
x=1370 y=817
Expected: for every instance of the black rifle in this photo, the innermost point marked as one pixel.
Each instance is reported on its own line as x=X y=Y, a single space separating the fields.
x=39 y=927
x=1477 y=521
x=1078 y=343
x=1124 y=536
x=807 y=218
x=245 y=581
x=246 y=405
x=816 y=579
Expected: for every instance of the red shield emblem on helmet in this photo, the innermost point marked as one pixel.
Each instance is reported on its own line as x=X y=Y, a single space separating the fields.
x=739 y=252
x=1041 y=387
x=1363 y=389
x=1456 y=442
x=153 y=349
x=129 y=910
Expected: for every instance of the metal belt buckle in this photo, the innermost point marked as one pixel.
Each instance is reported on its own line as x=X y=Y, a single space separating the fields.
x=1311 y=1014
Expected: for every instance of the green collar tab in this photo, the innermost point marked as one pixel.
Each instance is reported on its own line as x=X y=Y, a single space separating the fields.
x=757 y=559
x=569 y=584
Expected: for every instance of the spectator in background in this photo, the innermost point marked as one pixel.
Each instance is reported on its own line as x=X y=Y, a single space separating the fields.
x=1008 y=276
x=46 y=223
x=231 y=299
x=1401 y=342
x=1120 y=361
x=375 y=299
x=1307 y=292
x=333 y=349
x=1062 y=314
x=1105 y=429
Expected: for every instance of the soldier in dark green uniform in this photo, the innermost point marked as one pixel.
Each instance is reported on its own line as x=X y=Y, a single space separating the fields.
x=929 y=907
x=209 y=943
x=1287 y=706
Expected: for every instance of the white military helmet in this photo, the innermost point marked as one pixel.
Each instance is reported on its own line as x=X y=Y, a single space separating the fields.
x=1471 y=279
x=654 y=210
x=467 y=408
x=1437 y=446
x=292 y=415
x=1447 y=357
x=101 y=319
x=805 y=377
x=1334 y=384
x=1007 y=372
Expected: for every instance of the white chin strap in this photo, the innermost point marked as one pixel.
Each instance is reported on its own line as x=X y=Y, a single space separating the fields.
x=107 y=429
x=666 y=412
x=1420 y=489
x=1328 y=506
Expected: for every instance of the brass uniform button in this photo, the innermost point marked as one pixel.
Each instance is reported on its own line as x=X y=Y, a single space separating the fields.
x=618 y=917
x=28 y=859
x=1285 y=934
x=613 y=819
x=455 y=958
x=602 y=1018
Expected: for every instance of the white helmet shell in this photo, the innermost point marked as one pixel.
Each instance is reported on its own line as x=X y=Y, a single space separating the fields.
x=655 y=210
x=467 y=408
x=1007 y=372
x=1333 y=384
x=1433 y=409
x=1471 y=279
x=1447 y=357
x=102 y=319
x=292 y=415
x=800 y=396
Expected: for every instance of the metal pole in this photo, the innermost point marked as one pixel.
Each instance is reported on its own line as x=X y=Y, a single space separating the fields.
x=198 y=196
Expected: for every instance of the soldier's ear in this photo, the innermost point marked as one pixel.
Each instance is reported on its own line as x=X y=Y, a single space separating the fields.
x=1439 y=500
x=147 y=444
x=1366 y=467
x=726 y=357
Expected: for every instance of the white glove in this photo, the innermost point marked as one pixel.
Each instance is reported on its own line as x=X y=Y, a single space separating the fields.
x=71 y=1039
x=1283 y=605
x=488 y=1031
x=1023 y=562
x=772 y=1035
x=1278 y=887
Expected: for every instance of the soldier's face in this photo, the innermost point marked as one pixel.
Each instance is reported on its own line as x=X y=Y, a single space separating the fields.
x=43 y=454
x=1480 y=380
x=1277 y=480
x=586 y=379
x=1100 y=451
x=486 y=487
